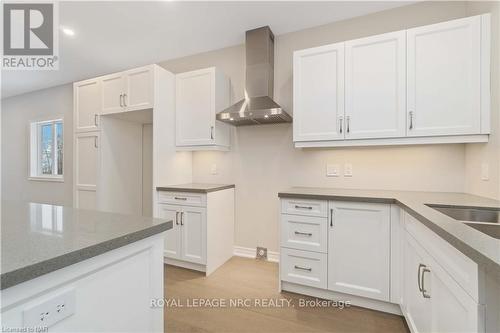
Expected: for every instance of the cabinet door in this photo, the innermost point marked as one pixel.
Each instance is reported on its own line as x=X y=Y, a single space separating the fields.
x=139 y=89
x=359 y=249
x=444 y=78
x=113 y=89
x=194 y=234
x=86 y=169
x=195 y=108
x=453 y=310
x=318 y=93
x=417 y=308
x=173 y=236
x=87 y=97
x=375 y=86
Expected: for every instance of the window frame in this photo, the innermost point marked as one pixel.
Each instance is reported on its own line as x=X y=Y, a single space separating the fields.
x=35 y=160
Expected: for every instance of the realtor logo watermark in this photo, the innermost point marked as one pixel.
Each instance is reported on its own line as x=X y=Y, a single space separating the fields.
x=30 y=36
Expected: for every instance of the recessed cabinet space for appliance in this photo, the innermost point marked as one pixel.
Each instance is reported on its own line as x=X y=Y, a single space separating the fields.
x=124 y=130
x=423 y=85
x=202 y=237
x=200 y=95
x=127 y=91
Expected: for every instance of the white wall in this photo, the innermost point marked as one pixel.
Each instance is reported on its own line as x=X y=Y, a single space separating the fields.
x=17 y=113
x=489 y=153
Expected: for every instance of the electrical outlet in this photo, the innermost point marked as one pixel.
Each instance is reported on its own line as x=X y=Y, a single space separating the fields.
x=213 y=169
x=332 y=170
x=348 y=170
x=51 y=310
x=485 y=171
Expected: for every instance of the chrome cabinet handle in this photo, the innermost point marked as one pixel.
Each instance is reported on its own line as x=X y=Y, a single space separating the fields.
x=303 y=233
x=121 y=100
x=303 y=268
x=124 y=99
x=179 y=198
x=95 y=119
x=348 y=120
x=177 y=218
x=340 y=124
x=331 y=217
x=211 y=132
x=303 y=207
x=411 y=119
x=424 y=292
x=419 y=279
x=96 y=144
x=182 y=218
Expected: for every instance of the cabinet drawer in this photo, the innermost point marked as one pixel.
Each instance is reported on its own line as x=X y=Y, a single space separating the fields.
x=182 y=198
x=304 y=207
x=303 y=267
x=304 y=232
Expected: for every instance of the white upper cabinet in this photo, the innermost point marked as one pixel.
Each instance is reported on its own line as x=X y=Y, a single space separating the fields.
x=424 y=85
x=375 y=96
x=318 y=93
x=127 y=91
x=444 y=78
x=139 y=88
x=200 y=95
x=112 y=93
x=87 y=96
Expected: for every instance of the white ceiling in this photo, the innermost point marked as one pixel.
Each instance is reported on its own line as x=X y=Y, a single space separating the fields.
x=113 y=36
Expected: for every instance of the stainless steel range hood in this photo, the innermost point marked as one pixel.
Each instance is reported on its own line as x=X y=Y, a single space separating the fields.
x=258 y=106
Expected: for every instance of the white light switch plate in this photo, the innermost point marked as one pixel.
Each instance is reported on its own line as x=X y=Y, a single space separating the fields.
x=51 y=310
x=332 y=170
x=348 y=170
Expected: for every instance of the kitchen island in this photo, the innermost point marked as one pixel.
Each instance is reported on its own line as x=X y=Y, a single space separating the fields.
x=79 y=270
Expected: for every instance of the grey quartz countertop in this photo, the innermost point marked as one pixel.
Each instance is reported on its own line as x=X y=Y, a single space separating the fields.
x=38 y=238
x=195 y=187
x=483 y=249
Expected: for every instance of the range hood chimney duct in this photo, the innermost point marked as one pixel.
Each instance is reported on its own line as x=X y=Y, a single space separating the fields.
x=258 y=106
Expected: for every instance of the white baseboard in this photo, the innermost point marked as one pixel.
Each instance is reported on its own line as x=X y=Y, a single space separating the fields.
x=248 y=252
x=184 y=264
x=332 y=295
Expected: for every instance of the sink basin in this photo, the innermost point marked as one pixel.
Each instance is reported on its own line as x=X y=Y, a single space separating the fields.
x=486 y=220
x=470 y=214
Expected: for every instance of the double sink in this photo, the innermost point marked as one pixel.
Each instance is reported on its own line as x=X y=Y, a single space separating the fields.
x=486 y=220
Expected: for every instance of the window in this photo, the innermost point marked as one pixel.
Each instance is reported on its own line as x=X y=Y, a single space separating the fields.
x=46 y=151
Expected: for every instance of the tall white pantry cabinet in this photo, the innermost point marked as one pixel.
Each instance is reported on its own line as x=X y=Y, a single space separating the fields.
x=113 y=117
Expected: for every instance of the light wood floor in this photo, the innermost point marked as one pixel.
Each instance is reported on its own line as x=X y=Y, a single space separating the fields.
x=249 y=278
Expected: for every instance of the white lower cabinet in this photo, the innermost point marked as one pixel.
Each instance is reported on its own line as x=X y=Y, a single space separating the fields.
x=434 y=301
x=435 y=286
x=304 y=267
x=359 y=249
x=202 y=237
x=187 y=239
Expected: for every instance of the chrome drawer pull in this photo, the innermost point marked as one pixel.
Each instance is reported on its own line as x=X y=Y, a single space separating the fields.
x=179 y=198
x=424 y=292
x=303 y=268
x=303 y=233
x=303 y=207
